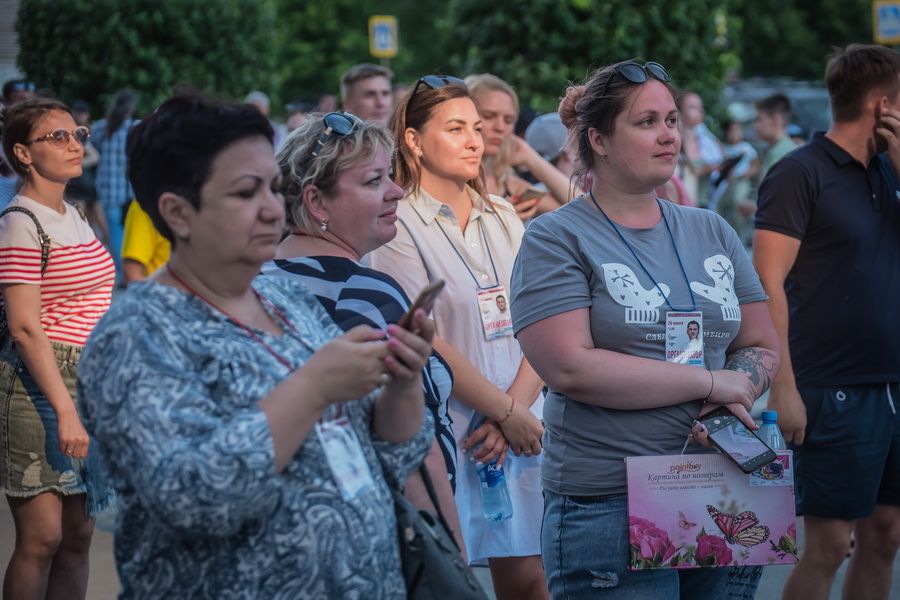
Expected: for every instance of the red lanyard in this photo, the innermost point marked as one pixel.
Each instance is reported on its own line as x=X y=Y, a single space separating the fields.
x=249 y=331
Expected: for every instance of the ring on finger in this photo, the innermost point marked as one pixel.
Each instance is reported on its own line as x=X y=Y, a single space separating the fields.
x=385 y=378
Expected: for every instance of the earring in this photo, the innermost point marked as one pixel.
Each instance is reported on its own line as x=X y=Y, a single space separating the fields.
x=324 y=225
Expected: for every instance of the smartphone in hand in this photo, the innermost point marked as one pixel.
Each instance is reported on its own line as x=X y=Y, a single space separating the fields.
x=425 y=301
x=530 y=194
x=735 y=441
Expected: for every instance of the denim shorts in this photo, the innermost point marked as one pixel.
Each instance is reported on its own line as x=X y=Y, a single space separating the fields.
x=850 y=458
x=584 y=544
x=31 y=461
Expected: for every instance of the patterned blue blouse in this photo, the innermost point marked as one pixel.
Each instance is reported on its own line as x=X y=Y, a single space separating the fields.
x=169 y=388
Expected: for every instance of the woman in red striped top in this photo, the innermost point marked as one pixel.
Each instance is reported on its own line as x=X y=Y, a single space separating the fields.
x=52 y=301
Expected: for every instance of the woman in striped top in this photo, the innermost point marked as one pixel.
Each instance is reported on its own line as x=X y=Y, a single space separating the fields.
x=56 y=281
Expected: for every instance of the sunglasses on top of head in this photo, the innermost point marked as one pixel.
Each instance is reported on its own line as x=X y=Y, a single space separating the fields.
x=59 y=138
x=638 y=73
x=339 y=124
x=435 y=82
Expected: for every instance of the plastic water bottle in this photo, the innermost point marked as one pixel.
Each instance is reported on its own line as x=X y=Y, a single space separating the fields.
x=769 y=432
x=495 y=499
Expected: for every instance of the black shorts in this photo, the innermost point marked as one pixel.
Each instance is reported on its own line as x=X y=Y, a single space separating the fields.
x=850 y=459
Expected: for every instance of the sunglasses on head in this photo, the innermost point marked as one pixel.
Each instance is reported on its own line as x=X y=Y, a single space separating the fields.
x=435 y=82
x=638 y=73
x=339 y=124
x=21 y=86
x=59 y=138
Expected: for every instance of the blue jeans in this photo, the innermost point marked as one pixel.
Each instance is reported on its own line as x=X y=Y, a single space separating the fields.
x=584 y=544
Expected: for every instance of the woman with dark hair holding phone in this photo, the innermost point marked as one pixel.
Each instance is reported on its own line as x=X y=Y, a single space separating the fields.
x=449 y=228
x=248 y=437
x=341 y=205
x=594 y=287
x=56 y=281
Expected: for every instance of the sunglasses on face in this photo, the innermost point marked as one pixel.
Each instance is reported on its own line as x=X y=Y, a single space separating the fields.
x=435 y=82
x=638 y=73
x=59 y=138
x=339 y=124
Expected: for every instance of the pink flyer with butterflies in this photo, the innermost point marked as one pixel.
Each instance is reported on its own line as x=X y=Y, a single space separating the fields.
x=701 y=510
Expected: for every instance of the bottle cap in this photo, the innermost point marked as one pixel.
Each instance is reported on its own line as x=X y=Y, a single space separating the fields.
x=769 y=416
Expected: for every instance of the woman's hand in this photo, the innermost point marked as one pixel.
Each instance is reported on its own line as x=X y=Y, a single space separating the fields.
x=732 y=387
x=523 y=431
x=489 y=442
x=348 y=367
x=700 y=434
x=408 y=351
x=525 y=209
x=73 y=438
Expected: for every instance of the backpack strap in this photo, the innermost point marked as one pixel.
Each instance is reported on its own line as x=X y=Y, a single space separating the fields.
x=42 y=235
x=80 y=210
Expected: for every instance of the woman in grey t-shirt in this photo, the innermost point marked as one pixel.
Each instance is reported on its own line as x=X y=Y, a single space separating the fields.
x=593 y=287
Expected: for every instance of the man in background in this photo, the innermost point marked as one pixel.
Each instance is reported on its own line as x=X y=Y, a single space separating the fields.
x=366 y=92
x=773 y=115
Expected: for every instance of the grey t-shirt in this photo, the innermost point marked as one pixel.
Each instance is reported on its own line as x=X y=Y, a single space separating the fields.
x=573 y=258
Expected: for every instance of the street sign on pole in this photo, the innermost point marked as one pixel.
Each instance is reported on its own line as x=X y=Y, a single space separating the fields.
x=886 y=21
x=383 y=36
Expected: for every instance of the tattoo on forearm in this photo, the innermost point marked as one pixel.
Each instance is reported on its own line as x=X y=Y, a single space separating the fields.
x=759 y=363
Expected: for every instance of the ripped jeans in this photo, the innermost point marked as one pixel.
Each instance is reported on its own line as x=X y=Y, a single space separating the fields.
x=584 y=544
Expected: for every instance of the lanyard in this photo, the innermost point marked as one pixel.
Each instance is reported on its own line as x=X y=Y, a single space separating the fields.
x=246 y=329
x=487 y=247
x=634 y=254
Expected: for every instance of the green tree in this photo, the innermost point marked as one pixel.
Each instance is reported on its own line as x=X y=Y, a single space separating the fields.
x=320 y=39
x=794 y=38
x=88 y=50
x=540 y=45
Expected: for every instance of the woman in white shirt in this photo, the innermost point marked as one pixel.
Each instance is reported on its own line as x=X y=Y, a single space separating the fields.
x=449 y=228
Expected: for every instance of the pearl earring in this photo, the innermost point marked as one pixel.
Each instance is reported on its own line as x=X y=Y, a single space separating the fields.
x=324 y=225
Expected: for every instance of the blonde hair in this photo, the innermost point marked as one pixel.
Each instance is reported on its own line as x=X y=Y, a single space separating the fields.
x=499 y=165
x=300 y=169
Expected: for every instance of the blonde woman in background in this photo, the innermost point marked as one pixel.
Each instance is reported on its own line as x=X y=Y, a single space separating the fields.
x=504 y=151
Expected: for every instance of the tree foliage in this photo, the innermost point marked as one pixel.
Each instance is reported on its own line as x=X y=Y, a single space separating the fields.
x=322 y=39
x=540 y=45
x=795 y=38
x=88 y=50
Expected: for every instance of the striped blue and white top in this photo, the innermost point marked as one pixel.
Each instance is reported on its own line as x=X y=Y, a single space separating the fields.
x=353 y=295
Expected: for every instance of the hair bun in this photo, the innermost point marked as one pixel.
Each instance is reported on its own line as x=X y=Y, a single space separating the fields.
x=567 y=106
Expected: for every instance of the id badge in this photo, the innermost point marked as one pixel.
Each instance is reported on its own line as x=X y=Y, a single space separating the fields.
x=493 y=306
x=345 y=457
x=684 y=338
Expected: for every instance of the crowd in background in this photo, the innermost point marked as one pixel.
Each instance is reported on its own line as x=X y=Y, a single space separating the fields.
x=250 y=401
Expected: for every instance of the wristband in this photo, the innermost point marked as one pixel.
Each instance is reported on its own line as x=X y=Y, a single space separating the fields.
x=509 y=411
x=712 y=384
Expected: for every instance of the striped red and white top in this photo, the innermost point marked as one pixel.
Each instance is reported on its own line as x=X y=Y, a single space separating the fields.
x=76 y=288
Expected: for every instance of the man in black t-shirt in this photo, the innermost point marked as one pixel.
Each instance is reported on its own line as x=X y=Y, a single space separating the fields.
x=827 y=248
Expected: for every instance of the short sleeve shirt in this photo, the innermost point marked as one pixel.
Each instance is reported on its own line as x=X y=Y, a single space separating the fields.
x=574 y=258
x=142 y=242
x=844 y=288
x=76 y=288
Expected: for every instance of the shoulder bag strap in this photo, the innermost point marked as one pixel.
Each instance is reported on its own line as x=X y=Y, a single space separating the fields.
x=432 y=495
x=42 y=235
x=77 y=207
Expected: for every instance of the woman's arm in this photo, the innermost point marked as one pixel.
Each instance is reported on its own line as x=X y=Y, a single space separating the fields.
x=557 y=184
x=23 y=315
x=472 y=388
x=202 y=470
x=755 y=350
x=562 y=352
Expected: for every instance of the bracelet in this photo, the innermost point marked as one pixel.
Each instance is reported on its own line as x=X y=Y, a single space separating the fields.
x=712 y=384
x=509 y=411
